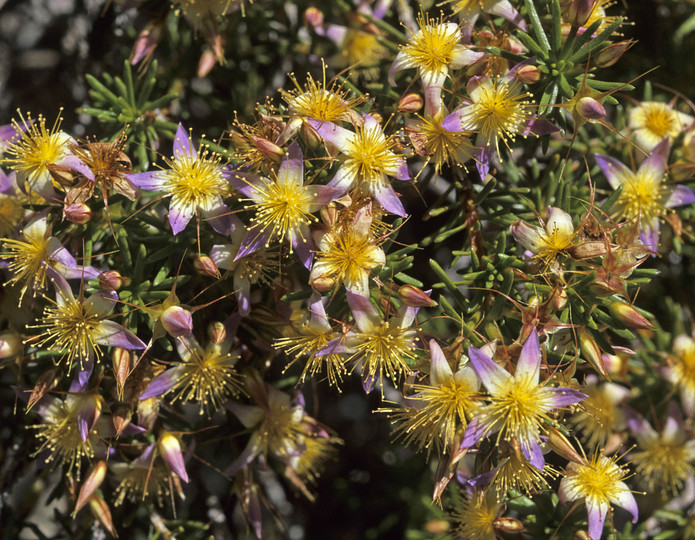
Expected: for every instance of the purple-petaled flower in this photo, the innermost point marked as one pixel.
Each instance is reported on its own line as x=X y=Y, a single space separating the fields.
x=37 y=255
x=383 y=346
x=78 y=326
x=470 y=11
x=368 y=161
x=663 y=460
x=196 y=182
x=599 y=481
x=284 y=206
x=645 y=196
x=518 y=406
x=170 y=449
x=433 y=50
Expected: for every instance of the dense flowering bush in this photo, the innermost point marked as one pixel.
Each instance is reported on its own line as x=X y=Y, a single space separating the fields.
x=438 y=282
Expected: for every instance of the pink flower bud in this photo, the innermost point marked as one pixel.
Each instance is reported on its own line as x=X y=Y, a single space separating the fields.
x=10 y=344
x=629 y=316
x=528 y=74
x=590 y=109
x=313 y=17
x=121 y=367
x=100 y=511
x=170 y=450
x=177 y=321
x=579 y=11
x=217 y=332
x=610 y=55
x=111 y=280
x=146 y=42
x=591 y=352
x=91 y=484
x=559 y=443
x=207 y=61
x=414 y=297
x=205 y=266
x=411 y=103
x=310 y=136
x=122 y=415
x=509 y=525
x=78 y=213
x=269 y=149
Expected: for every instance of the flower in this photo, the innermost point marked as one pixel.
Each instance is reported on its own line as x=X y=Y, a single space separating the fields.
x=309 y=338
x=383 y=346
x=645 y=196
x=433 y=50
x=518 y=406
x=368 y=161
x=652 y=122
x=142 y=478
x=37 y=255
x=599 y=482
x=476 y=514
x=548 y=241
x=254 y=267
x=195 y=182
x=11 y=201
x=681 y=371
x=207 y=376
x=284 y=206
x=36 y=151
x=437 y=411
x=663 y=460
x=470 y=10
x=77 y=326
x=347 y=253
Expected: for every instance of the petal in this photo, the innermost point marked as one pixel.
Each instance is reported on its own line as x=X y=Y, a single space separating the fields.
x=658 y=158
x=492 y=376
x=161 y=384
x=245 y=183
x=255 y=239
x=540 y=127
x=625 y=499
x=559 y=221
x=73 y=162
x=219 y=217
x=101 y=302
x=317 y=313
x=529 y=363
x=533 y=453
x=115 y=335
x=388 y=199
x=612 y=169
x=440 y=370
x=292 y=167
x=649 y=234
x=342 y=181
x=681 y=195
x=322 y=195
x=183 y=146
x=243 y=296
x=503 y=8
x=561 y=396
x=475 y=430
x=402 y=61
x=179 y=216
x=366 y=315
x=304 y=248
x=597 y=516
x=454 y=121
x=336 y=135
x=483 y=160
x=151 y=180
x=223 y=255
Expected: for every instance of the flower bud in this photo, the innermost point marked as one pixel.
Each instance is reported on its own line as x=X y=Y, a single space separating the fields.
x=411 y=103
x=528 y=74
x=582 y=535
x=207 y=61
x=205 y=266
x=78 y=213
x=415 y=297
x=322 y=283
x=269 y=149
x=146 y=42
x=329 y=214
x=509 y=525
x=10 y=344
x=591 y=352
x=610 y=55
x=121 y=360
x=590 y=109
x=100 y=511
x=579 y=11
x=561 y=445
x=111 y=280
x=90 y=485
x=88 y=412
x=313 y=17
x=122 y=415
x=177 y=321
x=310 y=136
x=170 y=450
x=629 y=316
x=46 y=382
x=217 y=332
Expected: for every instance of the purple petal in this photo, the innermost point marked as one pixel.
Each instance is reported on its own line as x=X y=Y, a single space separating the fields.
x=342 y=181
x=402 y=173
x=454 y=121
x=151 y=180
x=335 y=135
x=318 y=317
x=483 y=160
x=625 y=499
x=334 y=346
x=243 y=296
x=179 y=216
x=681 y=195
x=183 y=146
x=369 y=383
x=219 y=218
x=492 y=376
x=115 y=335
x=475 y=431
x=81 y=380
x=612 y=169
x=305 y=249
x=243 y=182
x=540 y=127
x=161 y=384
x=649 y=235
x=529 y=359
x=562 y=396
x=388 y=199
x=440 y=370
x=255 y=239
x=597 y=516
x=244 y=459
x=400 y=62
x=81 y=272
x=73 y=162
x=533 y=453
x=366 y=315
x=659 y=157
x=322 y=195
x=292 y=166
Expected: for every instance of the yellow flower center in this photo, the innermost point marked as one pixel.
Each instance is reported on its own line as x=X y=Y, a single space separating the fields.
x=644 y=195
x=195 y=182
x=370 y=157
x=599 y=480
x=499 y=112
x=663 y=465
x=431 y=49
x=348 y=256
x=443 y=145
x=28 y=261
x=661 y=121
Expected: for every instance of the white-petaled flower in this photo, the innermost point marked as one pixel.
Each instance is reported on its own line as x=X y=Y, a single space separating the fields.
x=548 y=240
x=652 y=122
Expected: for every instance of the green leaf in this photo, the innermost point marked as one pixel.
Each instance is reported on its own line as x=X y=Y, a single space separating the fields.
x=537 y=26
